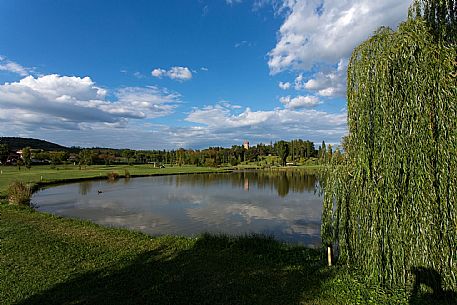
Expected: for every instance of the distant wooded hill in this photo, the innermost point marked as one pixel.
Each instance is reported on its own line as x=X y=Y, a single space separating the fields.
x=15 y=143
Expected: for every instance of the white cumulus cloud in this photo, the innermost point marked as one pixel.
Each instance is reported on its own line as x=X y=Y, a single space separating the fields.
x=158 y=72
x=176 y=73
x=323 y=31
x=327 y=82
x=180 y=73
x=299 y=101
x=226 y=126
x=284 y=85
x=70 y=102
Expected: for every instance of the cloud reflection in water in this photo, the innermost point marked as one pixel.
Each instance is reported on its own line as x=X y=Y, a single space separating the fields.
x=282 y=204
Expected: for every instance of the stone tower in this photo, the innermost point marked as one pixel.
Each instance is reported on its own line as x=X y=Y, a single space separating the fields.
x=246 y=144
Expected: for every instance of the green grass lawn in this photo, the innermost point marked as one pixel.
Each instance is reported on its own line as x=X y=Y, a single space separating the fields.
x=46 y=174
x=53 y=260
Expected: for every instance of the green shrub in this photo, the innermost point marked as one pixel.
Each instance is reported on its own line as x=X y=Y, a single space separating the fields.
x=19 y=193
x=112 y=176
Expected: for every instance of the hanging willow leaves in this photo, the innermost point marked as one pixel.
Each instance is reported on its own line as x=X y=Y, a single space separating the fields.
x=440 y=15
x=390 y=203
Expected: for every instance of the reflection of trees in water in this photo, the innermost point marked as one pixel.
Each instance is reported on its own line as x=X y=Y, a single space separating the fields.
x=282 y=181
x=283 y=186
x=85 y=187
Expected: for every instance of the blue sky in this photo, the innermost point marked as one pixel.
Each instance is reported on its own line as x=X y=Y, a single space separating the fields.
x=169 y=74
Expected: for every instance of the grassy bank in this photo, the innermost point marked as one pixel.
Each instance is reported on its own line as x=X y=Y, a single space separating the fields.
x=52 y=260
x=46 y=174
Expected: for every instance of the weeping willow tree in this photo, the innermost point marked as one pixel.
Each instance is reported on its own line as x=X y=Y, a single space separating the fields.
x=390 y=205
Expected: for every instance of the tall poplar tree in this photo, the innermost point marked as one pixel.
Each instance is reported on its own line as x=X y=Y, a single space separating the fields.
x=283 y=151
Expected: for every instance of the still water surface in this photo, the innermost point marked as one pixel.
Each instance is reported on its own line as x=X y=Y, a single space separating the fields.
x=282 y=204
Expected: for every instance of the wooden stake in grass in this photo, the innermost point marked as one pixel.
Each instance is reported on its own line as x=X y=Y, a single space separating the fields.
x=329 y=255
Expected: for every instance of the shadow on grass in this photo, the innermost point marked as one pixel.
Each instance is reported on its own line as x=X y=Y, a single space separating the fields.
x=216 y=270
x=432 y=281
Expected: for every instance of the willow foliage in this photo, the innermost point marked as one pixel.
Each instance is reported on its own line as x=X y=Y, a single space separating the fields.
x=440 y=15
x=391 y=205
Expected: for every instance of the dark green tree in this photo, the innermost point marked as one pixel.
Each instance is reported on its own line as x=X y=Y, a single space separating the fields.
x=85 y=158
x=282 y=148
x=4 y=152
x=27 y=157
x=128 y=154
x=19 y=163
x=310 y=151
x=323 y=152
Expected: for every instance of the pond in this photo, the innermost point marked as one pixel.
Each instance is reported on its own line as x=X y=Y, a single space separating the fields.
x=283 y=204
